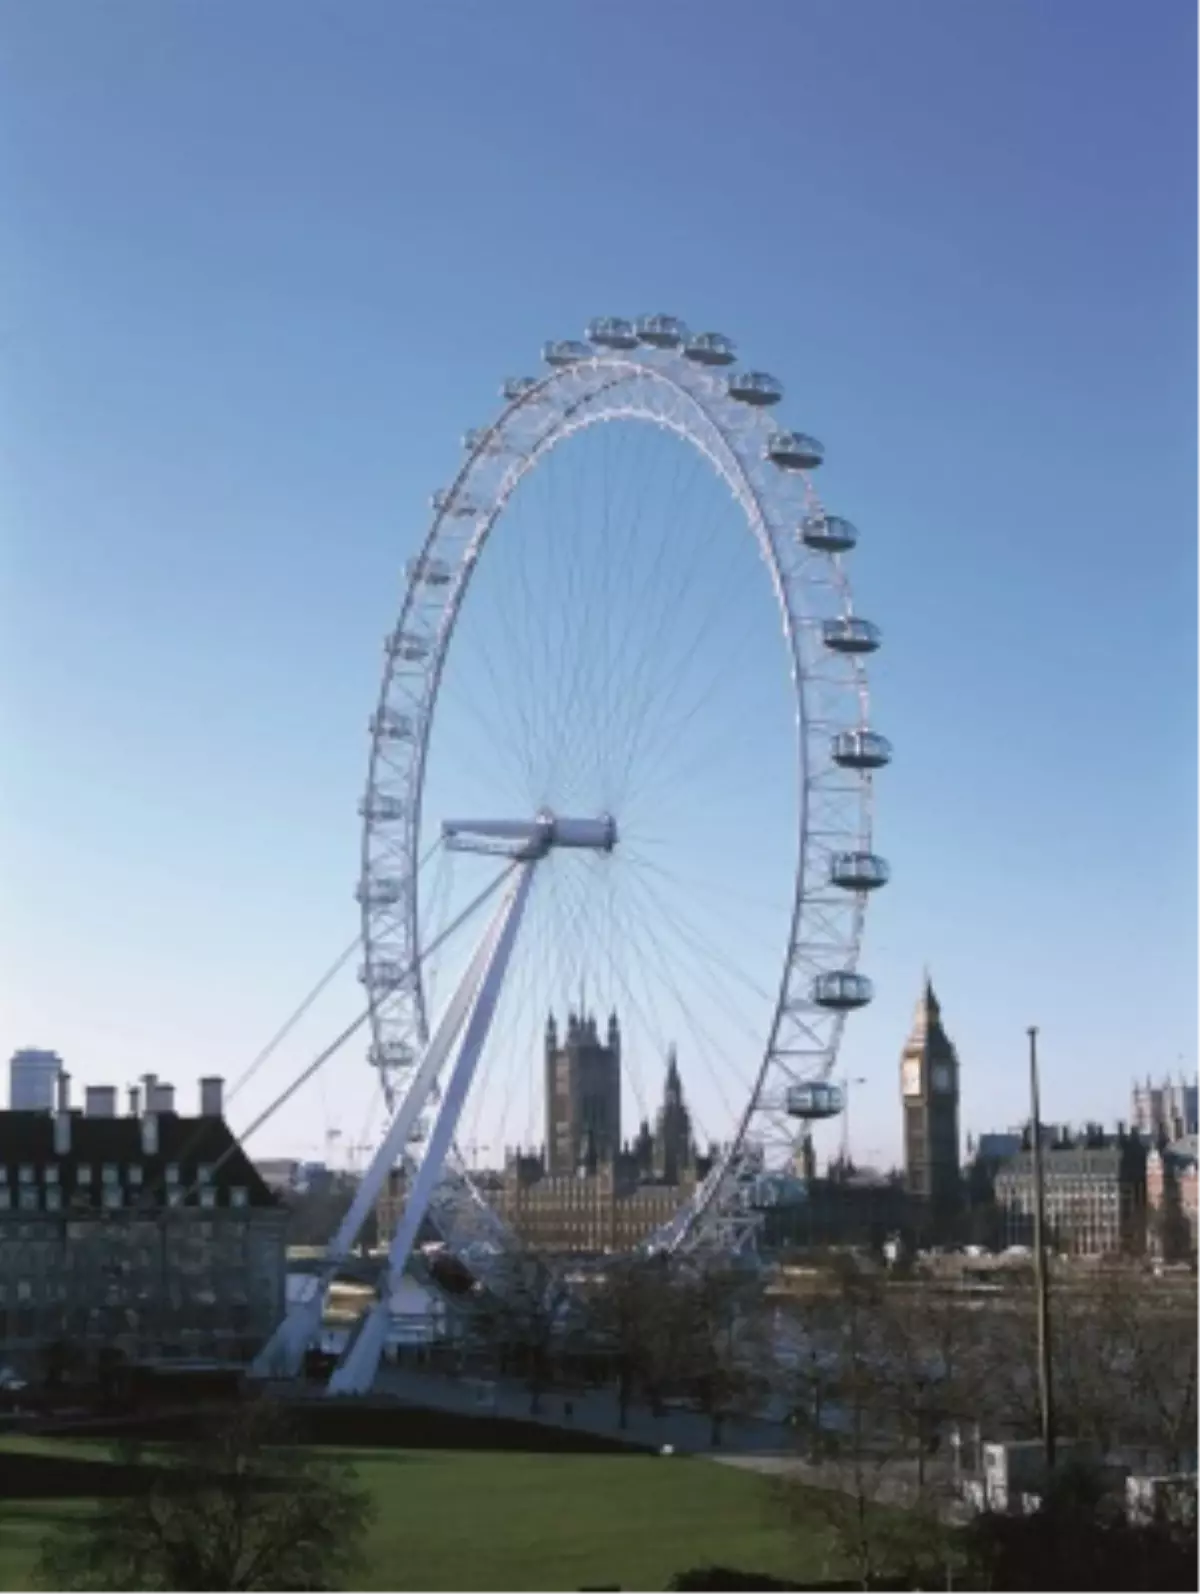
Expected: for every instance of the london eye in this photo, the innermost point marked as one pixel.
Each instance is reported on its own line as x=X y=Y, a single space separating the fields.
x=627 y=651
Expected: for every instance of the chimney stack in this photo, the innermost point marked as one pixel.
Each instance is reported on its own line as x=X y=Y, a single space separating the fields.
x=62 y=1118
x=211 y=1097
x=149 y=1082
x=163 y=1099
x=134 y=1099
x=100 y=1101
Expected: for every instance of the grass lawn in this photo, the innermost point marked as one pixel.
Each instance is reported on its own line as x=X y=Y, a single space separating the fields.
x=469 y=1520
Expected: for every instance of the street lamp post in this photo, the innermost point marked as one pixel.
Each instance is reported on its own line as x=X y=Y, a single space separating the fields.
x=847 y=1085
x=1041 y=1276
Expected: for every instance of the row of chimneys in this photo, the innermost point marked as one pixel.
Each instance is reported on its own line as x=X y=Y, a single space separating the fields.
x=100 y=1101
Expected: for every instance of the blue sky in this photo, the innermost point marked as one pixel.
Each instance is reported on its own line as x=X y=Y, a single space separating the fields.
x=263 y=264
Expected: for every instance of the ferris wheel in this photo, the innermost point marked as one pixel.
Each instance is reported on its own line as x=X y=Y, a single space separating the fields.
x=628 y=626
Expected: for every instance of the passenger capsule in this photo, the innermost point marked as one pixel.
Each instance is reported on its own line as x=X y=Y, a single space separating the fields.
x=841 y=991
x=565 y=351
x=433 y=572
x=755 y=387
x=407 y=645
x=814 y=1100
x=861 y=749
x=611 y=332
x=772 y=1191
x=710 y=348
x=448 y=502
x=381 y=809
x=391 y=726
x=859 y=871
x=383 y=892
x=794 y=451
x=828 y=533
x=385 y=974
x=392 y=1054
x=483 y=439
x=661 y=331
x=517 y=386
x=851 y=634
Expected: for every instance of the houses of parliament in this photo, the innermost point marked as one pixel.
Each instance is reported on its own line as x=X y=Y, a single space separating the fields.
x=588 y=1190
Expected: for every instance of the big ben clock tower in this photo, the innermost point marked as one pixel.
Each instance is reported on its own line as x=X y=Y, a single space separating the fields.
x=929 y=1086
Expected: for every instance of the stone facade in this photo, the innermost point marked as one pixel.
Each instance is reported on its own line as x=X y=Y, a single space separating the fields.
x=1095 y=1193
x=151 y=1236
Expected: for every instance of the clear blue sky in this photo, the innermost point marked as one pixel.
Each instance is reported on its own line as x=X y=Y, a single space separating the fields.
x=261 y=264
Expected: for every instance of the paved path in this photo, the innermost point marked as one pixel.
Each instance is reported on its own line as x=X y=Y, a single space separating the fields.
x=592 y=1411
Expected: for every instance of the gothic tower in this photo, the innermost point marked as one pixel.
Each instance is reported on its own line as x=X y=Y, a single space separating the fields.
x=929 y=1086
x=673 y=1141
x=583 y=1094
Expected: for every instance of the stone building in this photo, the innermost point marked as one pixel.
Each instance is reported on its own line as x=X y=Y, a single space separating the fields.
x=1095 y=1194
x=147 y=1234
x=614 y=1197
x=1164 y=1112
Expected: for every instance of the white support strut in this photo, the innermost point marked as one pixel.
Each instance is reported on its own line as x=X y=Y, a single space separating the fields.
x=355 y=1374
x=473 y=1003
x=283 y=1353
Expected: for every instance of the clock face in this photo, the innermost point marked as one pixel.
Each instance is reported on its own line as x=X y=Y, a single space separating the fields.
x=910 y=1078
x=943 y=1079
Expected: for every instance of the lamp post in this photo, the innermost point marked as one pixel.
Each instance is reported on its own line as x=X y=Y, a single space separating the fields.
x=1045 y=1370
x=847 y=1085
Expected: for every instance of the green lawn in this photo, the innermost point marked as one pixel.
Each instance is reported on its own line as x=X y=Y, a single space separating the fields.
x=471 y=1520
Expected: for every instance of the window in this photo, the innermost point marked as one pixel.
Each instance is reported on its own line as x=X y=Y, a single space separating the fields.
x=3 y=1173
x=29 y=1200
x=172 y=1173
x=135 y=1173
x=204 y=1173
x=83 y=1173
x=237 y=1196
x=175 y=1197
x=53 y=1200
x=25 y=1173
x=208 y=1197
x=110 y=1174
x=50 y=1173
x=112 y=1196
x=5 y=1198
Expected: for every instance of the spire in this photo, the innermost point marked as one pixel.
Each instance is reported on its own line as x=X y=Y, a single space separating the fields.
x=928 y=1016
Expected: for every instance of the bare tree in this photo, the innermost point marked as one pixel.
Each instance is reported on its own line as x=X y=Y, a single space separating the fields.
x=637 y=1310
x=530 y=1299
x=721 y=1344
x=242 y=1507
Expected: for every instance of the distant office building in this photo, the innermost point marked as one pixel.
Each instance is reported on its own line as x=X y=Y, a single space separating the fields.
x=33 y=1080
x=929 y=1086
x=1165 y=1112
x=1095 y=1194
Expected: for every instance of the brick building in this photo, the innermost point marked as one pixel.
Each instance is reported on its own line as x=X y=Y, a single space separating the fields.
x=148 y=1234
x=1171 y=1204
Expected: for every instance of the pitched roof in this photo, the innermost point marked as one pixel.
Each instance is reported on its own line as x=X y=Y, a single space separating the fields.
x=186 y=1144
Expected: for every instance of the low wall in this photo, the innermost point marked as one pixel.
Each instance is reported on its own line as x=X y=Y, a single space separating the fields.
x=371 y=1424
